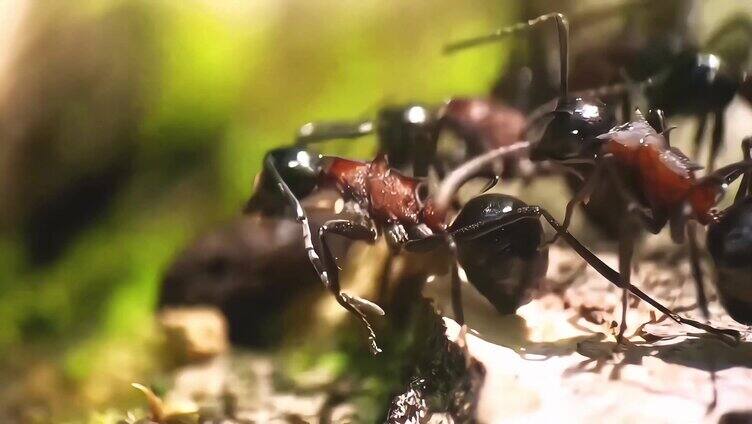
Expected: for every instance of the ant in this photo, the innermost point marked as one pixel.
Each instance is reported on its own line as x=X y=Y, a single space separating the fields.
x=489 y=232
x=409 y=133
x=655 y=182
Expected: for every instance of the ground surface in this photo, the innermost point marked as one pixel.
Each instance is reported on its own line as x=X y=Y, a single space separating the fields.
x=554 y=360
x=563 y=369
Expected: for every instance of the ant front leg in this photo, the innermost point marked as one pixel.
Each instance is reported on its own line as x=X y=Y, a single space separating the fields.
x=582 y=196
x=652 y=220
x=327 y=270
x=457 y=279
x=354 y=304
x=719 y=129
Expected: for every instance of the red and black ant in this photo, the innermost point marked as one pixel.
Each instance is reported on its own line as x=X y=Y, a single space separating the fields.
x=656 y=182
x=490 y=232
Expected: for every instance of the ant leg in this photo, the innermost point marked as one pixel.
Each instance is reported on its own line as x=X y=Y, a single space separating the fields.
x=702 y=300
x=582 y=195
x=653 y=221
x=458 y=278
x=424 y=155
x=606 y=271
x=694 y=258
x=457 y=281
x=353 y=304
x=562 y=27
x=745 y=187
x=702 y=123
x=314 y=132
x=719 y=128
x=626 y=252
x=626 y=107
x=301 y=217
x=614 y=278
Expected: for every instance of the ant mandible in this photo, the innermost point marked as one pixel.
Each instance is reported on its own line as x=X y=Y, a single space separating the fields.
x=390 y=203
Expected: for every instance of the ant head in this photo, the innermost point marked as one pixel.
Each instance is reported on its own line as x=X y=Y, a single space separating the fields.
x=299 y=168
x=400 y=128
x=571 y=130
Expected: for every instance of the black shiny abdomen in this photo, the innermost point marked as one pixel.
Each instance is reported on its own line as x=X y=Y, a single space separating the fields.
x=696 y=83
x=507 y=264
x=730 y=246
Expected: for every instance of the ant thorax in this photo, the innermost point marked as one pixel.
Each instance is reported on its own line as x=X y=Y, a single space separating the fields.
x=387 y=195
x=663 y=176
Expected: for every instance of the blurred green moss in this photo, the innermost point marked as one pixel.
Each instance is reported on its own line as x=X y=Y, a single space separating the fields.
x=220 y=83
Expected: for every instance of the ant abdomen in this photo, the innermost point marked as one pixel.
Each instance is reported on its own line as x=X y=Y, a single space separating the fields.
x=730 y=245
x=506 y=264
x=697 y=83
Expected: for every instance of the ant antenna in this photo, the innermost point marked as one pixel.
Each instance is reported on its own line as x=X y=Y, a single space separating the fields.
x=469 y=169
x=562 y=26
